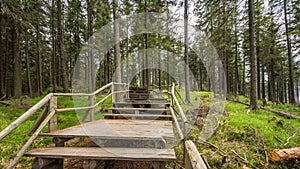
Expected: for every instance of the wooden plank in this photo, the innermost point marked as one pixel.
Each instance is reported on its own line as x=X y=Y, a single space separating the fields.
x=84 y=94
x=24 y=117
x=141 y=105
x=39 y=120
x=31 y=139
x=138 y=109
x=158 y=143
x=132 y=103
x=194 y=160
x=119 y=129
x=97 y=153
x=151 y=116
x=147 y=99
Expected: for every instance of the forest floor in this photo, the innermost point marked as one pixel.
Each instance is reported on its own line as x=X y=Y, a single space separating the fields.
x=241 y=140
x=244 y=137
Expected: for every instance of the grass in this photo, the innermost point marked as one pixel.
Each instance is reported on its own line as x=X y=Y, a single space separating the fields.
x=288 y=108
x=250 y=135
x=10 y=145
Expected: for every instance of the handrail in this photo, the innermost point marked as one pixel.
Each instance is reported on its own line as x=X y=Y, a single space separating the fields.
x=40 y=125
x=176 y=124
x=90 y=94
x=178 y=105
x=89 y=107
x=194 y=159
x=31 y=139
x=84 y=94
x=25 y=116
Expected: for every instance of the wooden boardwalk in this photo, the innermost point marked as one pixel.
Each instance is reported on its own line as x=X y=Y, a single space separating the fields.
x=138 y=132
x=139 y=129
x=120 y=130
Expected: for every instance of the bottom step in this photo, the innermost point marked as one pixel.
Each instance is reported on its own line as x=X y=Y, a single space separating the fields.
x=97 y=153
x=138 y=116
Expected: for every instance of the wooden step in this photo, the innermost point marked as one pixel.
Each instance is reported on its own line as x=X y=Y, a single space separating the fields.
x=120 y=130
x=138 y=116
x=141 y=105
x=155 y=100
x=131 y=110
x=97 y=153
x=138 y=109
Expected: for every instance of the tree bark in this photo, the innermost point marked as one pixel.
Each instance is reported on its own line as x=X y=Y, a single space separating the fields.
x=29 y=87
x=91 y=59
x=253 y=93
x=2 y=56
x=17 y=63
x=236 y=66
x=38 y=56
x=284 y=154
x=53 y=60
x=186 y=55
x=61 y=47
x=117 y=46
x=290 y=60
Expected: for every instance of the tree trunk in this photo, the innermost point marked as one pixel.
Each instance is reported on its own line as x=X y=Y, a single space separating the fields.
x=91 y=59
x=8 y=75
x=53 y=60
x=236 y=66
x=263 y=92
x=61 y=47
x=29 y=87
x=2 y=57
x=17 y=63
x=290 y=60
x=253 y=92
x=117 y=46
x=127 y=53
x=258 y=65
x=271 y=78
x=186 y=55
x=38 y=58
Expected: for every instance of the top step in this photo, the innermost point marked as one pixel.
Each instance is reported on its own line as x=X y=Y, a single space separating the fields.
x=97 y=153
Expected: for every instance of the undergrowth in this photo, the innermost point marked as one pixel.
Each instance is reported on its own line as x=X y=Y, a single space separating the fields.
x=246 y=137
x=13 y=143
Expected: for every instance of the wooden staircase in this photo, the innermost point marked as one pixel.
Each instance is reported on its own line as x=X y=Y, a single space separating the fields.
x=138 y=132
x=139 y=129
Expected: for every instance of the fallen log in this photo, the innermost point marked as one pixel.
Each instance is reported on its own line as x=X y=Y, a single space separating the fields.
x=289 y=115
x=282 y=113
x=284 y=154
x=4 y=103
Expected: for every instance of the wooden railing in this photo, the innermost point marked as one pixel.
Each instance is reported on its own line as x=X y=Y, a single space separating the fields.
x=177 y=109
x=192 y=158
x=49 y=115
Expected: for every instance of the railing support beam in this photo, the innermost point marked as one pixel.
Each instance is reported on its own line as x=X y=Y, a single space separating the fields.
x=52 y=125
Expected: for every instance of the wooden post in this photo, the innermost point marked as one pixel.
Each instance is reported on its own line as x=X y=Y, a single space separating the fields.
x=46 y=163
x=58 y=163
x=52 y=125
x=112 y=91
x=158 y=165
x=193 y=159
x=92 y=111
